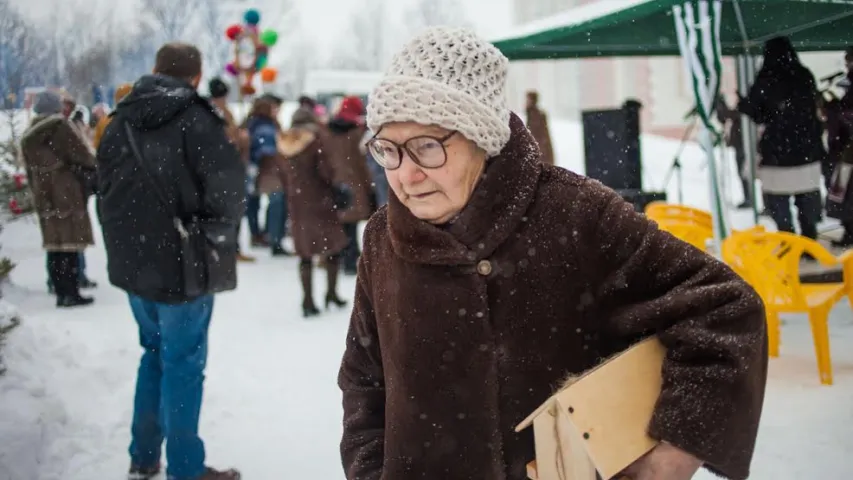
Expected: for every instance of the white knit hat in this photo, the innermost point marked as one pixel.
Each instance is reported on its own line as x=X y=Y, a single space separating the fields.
x=448 y=77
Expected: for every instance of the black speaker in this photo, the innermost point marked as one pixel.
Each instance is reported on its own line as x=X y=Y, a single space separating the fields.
x=612 y=147
x=641 y=199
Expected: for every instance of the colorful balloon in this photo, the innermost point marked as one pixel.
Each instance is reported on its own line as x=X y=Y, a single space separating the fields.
x=231 y=69
x=269 y=74
x=261 y=63
x=252 y=17
x=233 y=31
x=269 y=37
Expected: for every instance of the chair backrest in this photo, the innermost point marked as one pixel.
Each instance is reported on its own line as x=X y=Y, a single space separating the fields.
x=771 y=262
x=736 y=248
x=694 y=234
x=681 y=213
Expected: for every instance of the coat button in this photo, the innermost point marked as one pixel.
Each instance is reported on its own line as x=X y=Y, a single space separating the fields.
x=484 y=267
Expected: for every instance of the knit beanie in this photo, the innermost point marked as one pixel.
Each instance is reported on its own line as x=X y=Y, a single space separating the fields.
x=47 y=103
x=449 y=77
x=217 y=87
x=351 y=110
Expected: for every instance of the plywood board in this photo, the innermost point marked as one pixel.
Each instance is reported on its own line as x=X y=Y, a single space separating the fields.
x=612 y=406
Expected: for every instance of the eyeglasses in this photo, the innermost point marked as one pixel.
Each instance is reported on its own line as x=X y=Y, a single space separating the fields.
x=424 y=150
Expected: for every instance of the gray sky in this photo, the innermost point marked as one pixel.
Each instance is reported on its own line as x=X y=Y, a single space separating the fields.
x=490 y=17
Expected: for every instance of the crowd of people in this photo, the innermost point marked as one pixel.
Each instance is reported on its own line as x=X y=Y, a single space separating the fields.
x=487 y=277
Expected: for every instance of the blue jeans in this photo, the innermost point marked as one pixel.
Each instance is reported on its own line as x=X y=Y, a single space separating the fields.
x=167 y=403
x=81 y=269
x=276 y=217
x=253 y=206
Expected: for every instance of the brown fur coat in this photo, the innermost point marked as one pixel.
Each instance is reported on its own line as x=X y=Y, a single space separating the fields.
x=52 y=149
x=308 y=175
x=459 y=332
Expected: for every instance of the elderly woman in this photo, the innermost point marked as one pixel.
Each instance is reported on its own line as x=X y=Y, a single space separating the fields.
x=309 y=177
x=59 y=167
x=489 y=277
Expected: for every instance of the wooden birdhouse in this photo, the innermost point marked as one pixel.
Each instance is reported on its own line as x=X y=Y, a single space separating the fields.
x=598 y=422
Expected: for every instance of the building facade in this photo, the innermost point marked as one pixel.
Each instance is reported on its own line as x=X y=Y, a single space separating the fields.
x=568 y=87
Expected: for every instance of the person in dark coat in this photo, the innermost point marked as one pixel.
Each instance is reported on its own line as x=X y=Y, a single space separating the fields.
x=315 y=227
x=239 y=137
x=784 y=101
x=190 y=160
x=491 y=276
x=56 y=159
x=343 y=139
x=537 y=123
x=839 y=127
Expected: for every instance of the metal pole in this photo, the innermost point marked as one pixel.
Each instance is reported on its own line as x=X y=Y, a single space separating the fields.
x=720 y=229
x=747 y=139
x=753 y=143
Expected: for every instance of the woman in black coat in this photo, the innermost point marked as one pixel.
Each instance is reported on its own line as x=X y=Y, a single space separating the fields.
x=784 y=100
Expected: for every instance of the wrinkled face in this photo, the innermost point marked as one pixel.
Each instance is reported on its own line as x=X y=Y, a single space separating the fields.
x=435 y=195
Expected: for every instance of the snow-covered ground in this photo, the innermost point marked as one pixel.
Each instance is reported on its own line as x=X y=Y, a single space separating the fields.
x=272 y=407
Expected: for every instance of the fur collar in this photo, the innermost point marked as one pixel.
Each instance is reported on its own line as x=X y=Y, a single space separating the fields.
x=294 y=141
x=42 y=125
x=496 y=208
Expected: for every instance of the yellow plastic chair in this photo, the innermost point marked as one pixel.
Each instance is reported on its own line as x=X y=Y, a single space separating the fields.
x=683 y=213
x=694 y=234
x=770 y=261
x=735 y=249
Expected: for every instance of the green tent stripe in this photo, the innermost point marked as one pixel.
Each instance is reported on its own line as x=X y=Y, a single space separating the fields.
x=697 y=25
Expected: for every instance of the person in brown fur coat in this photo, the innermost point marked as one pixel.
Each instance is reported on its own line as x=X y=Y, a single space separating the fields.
x=537 y=123
x=490 y=276
x=315 y=227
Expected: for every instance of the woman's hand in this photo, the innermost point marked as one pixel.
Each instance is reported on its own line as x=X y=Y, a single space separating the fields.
x=664 y=462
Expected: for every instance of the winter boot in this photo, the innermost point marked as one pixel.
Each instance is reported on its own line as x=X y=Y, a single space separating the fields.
x=66 y=281
x=242 y=257
x=68 y=301
x=305 y=273
x=143 y=473
x=332 y=267
x=212 y=474
x=260 y=241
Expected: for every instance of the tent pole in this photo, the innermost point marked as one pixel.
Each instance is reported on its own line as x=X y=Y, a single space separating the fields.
x=707 y=143
x=747 y=139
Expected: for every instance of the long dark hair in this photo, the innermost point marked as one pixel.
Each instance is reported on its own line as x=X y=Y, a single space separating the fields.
x=262 y=108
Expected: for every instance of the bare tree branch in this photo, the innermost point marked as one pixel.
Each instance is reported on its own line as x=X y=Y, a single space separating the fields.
x=429 y=13
x=171 y=19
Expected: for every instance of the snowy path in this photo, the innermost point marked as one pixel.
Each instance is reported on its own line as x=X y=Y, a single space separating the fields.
x=272 y=407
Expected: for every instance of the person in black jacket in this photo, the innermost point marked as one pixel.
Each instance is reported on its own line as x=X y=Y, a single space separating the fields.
x=183 y=145
x=784 y=100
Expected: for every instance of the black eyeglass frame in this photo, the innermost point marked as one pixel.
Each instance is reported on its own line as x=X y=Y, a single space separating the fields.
x=403 y=146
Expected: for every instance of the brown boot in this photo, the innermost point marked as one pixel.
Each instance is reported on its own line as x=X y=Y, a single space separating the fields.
x=305 y=272
x=332 y=266
x=242 y=257
x=260 y=241
x=212 y=474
